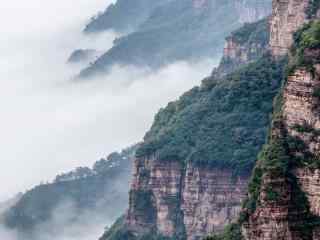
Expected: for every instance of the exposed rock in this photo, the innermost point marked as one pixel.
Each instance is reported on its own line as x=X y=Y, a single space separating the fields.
x=211 y=199
x=197 y=200
x=288 y=206
x=309 y=181
x=270 y=220
x=301 y=106
x=249 y=13
x=244 y=46
x=287 y=17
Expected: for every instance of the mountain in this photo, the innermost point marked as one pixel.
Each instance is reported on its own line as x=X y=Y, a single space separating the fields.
x=191 y=173
x=243 y=46
x=98 y=193
x=287 y=173
x=5 y=205
x=83 y=55
x=180 y=30
x=123 y=16
x=283 y=199
x=237 y=157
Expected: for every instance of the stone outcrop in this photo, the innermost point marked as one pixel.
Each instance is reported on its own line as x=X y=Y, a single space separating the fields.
x=294 y=212
x=192 y=201
x=244 y=46
x=270 y=220
x=287 y=17
x=249 y=13
x=310 y=184
x=301 y=106
x=211 y=198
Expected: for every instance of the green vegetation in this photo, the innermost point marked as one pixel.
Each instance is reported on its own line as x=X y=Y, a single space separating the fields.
x=118 y=231
x=307 y=38
x=122 y=16
x=314 y=6
x=223 y=123
x=88 y=190
x=273 y=158
x=174 y=31
x=271 y=194
x=305 y=128
x=231 y=232
x=316 y=93
x=279 y=156
x=142 y=201
x=253 y=33
x=253 y=39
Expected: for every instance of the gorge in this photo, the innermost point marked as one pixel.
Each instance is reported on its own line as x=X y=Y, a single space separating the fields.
x=235 y=158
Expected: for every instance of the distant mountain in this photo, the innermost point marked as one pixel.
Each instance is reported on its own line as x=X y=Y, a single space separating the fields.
x=83 y=55
x=5 y=205
x=123 y=16
x=180 y=30
x=97 y=192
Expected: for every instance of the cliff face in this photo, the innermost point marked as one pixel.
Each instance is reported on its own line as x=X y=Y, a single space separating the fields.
x=287 y=17
x=211 y=199
x=249 y=12
x=191 y=201
x=244 y=46
x=191 y=172
x=289 y=200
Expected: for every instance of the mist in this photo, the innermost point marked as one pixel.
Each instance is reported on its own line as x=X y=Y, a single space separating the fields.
x=51 y=123
x=66 y=223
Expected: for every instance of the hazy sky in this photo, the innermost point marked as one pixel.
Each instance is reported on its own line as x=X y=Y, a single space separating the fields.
x=50 y=124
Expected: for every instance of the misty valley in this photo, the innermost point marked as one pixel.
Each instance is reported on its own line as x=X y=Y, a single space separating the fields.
x=160 y=120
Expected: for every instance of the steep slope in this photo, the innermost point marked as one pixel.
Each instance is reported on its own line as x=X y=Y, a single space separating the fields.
x=290 y=162
x=5 y=205
x=180 y=30
x=244 y=46
x=191 y=172
x=123 y=16
x=284 y=198
x=287 y=17
x=100 y=192
x=83 y=55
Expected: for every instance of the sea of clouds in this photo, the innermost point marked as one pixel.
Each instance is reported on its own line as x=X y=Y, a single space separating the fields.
x=51 y=123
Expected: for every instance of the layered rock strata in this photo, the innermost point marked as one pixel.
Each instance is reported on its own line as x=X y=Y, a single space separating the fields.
x=287 y=17
x=192 y=201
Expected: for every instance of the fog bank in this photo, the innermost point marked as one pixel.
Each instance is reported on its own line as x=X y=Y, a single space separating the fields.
x=50 y=123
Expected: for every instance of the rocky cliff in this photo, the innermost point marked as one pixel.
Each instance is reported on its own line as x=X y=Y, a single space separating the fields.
x=244 y=46
x=249 y=12
x=191 y=171
x=287 y=17
x=191 y=201
x=284 y=203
